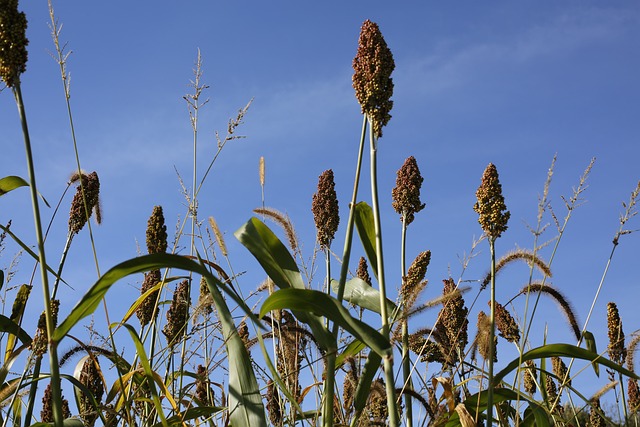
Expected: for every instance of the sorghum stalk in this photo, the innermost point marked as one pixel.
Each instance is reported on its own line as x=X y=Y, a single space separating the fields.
x=329 y=391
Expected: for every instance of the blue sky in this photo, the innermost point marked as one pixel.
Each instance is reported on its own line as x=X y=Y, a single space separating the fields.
x=503 y=82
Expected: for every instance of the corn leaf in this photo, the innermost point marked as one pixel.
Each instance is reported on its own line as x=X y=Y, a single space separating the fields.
x=359 y=293
x=10 y=183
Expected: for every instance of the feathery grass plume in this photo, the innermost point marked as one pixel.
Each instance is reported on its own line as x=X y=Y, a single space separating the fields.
x=595 y=419
x=202 y=386
x=631 y=351
x=560 y=369
x=373 y=65
x=283 y=221
x=633 y=393
x=13 y=42
x=492 y=211
x=147 y=310
x=506 y=324
x=362 y=272
x=530 y=377
x=406 y=193
x=413 y=283
x=453 y=325
x=629 y=212
x=91 y=378
x=178 y=314
x=325 y=209
x=519 y=254
x=562 y=302
x=156 y=232
x=46 y=414
x=616 y=348
x=90 y=184
x=273 y=405
x=40 y=341
x=261 y=171
x=483 y=337
x=219 y=236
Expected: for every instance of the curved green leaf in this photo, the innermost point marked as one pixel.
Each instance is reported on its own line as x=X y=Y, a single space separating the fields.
x=278 y=263
x=10 y=183
x=90 y=301
x=566 y=350
x=367 y=233
x=17 y=312
x=12 y=328
x=191 y=414
x=359 y=293
x=363 y=390
x=245 y=401
x=590 y=341
x=319 y=303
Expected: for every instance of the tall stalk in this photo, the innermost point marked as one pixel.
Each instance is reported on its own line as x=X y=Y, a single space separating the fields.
x=53 y=345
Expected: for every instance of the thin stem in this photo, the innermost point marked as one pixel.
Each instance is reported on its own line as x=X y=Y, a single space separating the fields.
x=492 y=332
x=406 y=362
x=388 y=360
x=53 y=345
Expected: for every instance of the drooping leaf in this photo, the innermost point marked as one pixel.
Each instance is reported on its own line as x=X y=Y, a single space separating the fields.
x=363 y=390
x=10 y=183
x=191 y=414
x=321 y=304
x=590 y=341
x=359 y=293
x=366 y=231
x=245 y=401
x=92 y=298
x=12 y=328
x=561 y=350
x=17 y=312
x=278 y=263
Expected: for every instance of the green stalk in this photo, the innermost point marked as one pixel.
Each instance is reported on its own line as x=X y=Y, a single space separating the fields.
x=327 y=410
x=53 y=346
x=388 y=360
x=406 y=362
x=492 y=327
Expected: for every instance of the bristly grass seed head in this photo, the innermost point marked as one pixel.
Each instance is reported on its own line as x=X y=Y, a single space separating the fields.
x=156 y=232
x=78 y=216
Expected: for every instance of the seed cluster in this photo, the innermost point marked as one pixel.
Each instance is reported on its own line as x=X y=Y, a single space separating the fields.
x=406 y=193
x=325 y=209
x=413 y=283
x=78 y=216
x=373 y=65
x=492 y=211
x=178 y=314
x=13 y=42
x=90 y=377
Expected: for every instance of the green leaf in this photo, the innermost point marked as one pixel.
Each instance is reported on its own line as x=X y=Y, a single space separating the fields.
x=352 y=349
x=17 y=312
x=245 y=401
x=363 y=390
x=10 y=183
x=91 y=300
x=191 y=414
x=322 y=304
x=565 y=350
x=278 y=263
x=69 y=422
x=590 y=341
x=359 y=293
x=11 y=327
x=367 y=233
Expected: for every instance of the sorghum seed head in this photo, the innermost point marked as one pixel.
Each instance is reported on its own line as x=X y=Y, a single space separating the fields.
x=156 y=232
x=13 y=42
x=492 y=211
x=147 y=310
x=406 y=193
x=595 y=419
x=362 y=272
x=634 y=395
x=325 y=209
x=530 y=377
x=483 y=337
x=205 y=302
x=40 y=342
x=178 y=314
x=373 y=65
x=617 y=350
x=506 y=324
x=202 y=386
x=46 y=414
x=273 y=404
x=452 y=325
x=90 y=184
x=560 y=370
x=90 y=377
x=413 y=283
